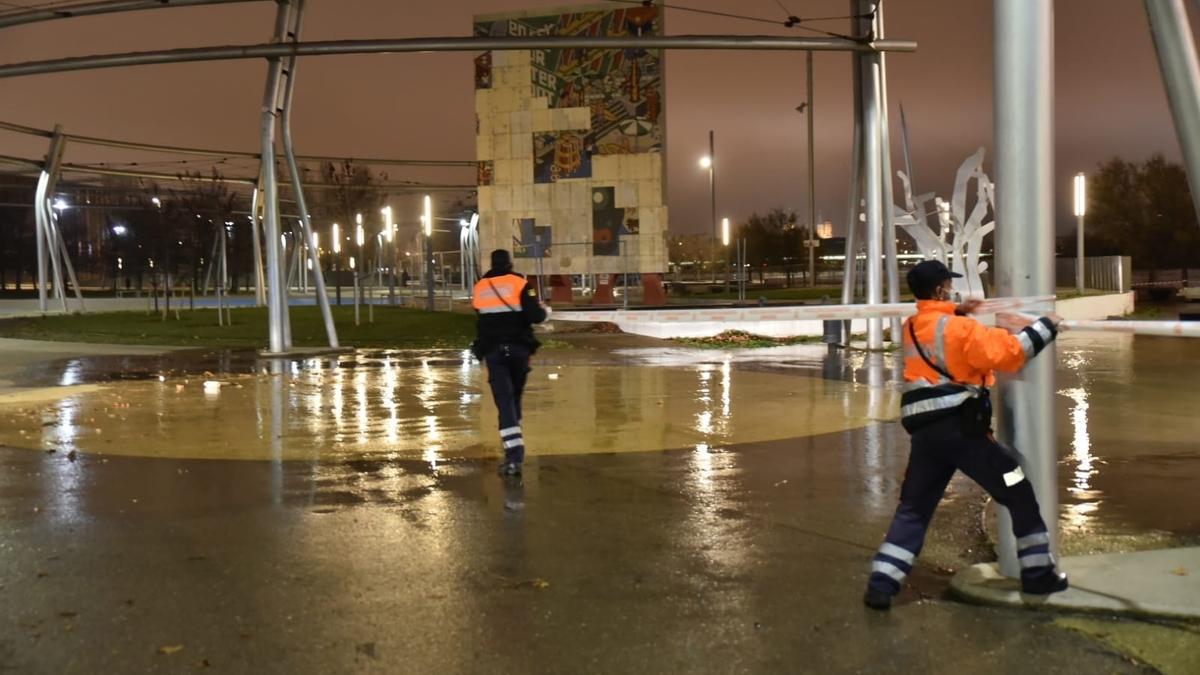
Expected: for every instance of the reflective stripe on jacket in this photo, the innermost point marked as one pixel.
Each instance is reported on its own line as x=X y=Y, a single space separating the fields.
x=965 y=349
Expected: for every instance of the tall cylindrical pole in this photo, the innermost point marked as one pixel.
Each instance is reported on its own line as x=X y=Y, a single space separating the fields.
x=1080 y=209
x=1181 y=74
x=1024 y=140
x=891 y=261
x=873 y=170
x=850 y=268
x=297 y=190
x=270 y=196
x=812 y=179
x=712 y=192
x=1079 y=279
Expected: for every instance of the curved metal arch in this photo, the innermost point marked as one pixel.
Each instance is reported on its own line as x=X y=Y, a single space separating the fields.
x=204 y=152
x=448 y=44
x=96 y=8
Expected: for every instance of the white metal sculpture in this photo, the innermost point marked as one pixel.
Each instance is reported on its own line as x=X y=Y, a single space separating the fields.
x=957 y=238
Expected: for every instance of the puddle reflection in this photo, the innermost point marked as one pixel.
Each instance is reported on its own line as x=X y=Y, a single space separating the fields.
x=438 y=408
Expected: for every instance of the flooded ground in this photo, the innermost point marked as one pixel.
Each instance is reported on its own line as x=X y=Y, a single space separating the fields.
x=1129 y=463
x=334 y=514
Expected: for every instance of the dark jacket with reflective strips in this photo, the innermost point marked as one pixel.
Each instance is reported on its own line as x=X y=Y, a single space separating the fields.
x=966 y=350
x=508 y=307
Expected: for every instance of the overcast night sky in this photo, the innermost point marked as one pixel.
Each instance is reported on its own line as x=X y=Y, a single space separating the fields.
x=1110 y=99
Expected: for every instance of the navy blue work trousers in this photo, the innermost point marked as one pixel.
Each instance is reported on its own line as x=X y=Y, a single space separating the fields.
x=508 y=367
x=937 y=451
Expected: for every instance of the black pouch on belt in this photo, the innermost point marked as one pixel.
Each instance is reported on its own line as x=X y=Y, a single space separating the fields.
x=975 y=415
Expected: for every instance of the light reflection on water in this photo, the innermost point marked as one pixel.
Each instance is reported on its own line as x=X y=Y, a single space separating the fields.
x=436 y=407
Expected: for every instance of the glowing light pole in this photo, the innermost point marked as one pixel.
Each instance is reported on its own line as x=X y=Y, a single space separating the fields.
x=360 y=238
x=1080 y=209
x=725 y=243
x=389 y=233
x=708 y=162
x=337 y=250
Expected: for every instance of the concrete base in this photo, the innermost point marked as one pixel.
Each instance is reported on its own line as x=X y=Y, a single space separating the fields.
x=1157 y=584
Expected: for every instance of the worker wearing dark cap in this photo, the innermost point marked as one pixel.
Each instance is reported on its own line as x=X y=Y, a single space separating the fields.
x=507 y=306
x=949 y=361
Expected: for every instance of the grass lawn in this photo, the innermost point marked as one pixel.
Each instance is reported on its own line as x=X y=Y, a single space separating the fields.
x=394 y=327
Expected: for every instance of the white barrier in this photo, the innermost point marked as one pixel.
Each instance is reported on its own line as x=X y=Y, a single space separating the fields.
x=1189 y=329
x=770 y=321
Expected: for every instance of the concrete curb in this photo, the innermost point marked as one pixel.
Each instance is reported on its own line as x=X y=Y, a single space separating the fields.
x=1161 y=584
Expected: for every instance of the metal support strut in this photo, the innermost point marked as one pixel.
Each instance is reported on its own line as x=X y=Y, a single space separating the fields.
x=294 y=172
x=269 y=193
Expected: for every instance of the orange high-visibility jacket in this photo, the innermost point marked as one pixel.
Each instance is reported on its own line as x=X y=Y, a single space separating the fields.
x=508 y=306
x=501 y=293
x=966 y=350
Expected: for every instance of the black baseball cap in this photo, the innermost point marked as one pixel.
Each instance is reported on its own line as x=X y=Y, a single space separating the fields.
x=501 y=260
x=924 y=279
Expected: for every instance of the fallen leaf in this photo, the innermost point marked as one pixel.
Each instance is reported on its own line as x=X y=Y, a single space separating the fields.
x=1180 y=571
x=168 y=650
x=71 y=456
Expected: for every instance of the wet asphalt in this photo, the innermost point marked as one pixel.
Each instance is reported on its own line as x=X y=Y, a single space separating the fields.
x=737 y=558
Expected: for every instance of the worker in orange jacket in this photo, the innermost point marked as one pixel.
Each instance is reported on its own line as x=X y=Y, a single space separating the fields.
x=508 y=306
x=949 y=361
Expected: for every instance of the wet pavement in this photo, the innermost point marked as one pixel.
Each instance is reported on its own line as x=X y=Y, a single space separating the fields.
x=682 y=510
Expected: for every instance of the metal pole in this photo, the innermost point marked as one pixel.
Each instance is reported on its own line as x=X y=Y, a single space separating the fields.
x=260 y=291
x=429 y=274
x=34 y=15
x=356 y=298
x=285 y=125
x=889 y=223
x=1024 y=142
x=41 y=196
x=223 y=279
x=270 y=196
x=278 y=49
x=47 y=183
x=1079 y=283
x=812 y=180
x=874 y=188
x=66 y=261
x=712 y=191
x=52 y=244
x=850 y=266
x=1181 y=74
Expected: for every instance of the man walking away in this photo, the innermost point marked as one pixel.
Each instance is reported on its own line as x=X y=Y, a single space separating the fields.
x=507 y=306
x=949 y=359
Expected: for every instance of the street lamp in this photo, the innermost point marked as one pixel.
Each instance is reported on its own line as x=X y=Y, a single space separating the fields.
x=1080 y=209
x=337 y=249
x=389 y=233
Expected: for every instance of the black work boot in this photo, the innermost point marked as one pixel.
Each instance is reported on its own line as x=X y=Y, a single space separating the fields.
x=1052 y=581
x=879 y=600
x=509 y=469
